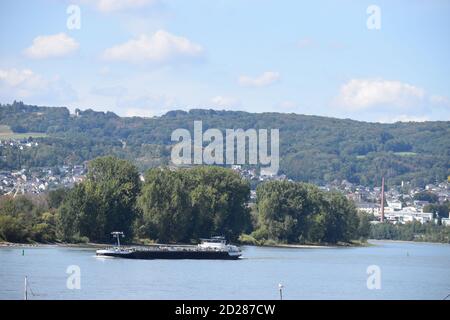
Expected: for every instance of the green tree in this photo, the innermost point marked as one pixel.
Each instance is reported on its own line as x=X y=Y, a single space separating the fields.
x=441 y=209
x=298 y=212
x=342 y=222
x=364 y=226
x=219 y=198
x=56 y=197
x=426 y=196
x=165 y=206
x=105 y=202
x=71 y=213
x=187 y=204
x=11 y=229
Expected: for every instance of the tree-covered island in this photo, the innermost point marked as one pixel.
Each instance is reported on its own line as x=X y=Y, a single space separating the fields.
x=179 y=205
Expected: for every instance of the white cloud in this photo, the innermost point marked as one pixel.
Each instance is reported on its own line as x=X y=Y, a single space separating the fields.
x=361 y=94
x=20 y=78
x=119 y=5
x=390 y=101
x=25 y=84
x=56 y=45
x=160 y=47
x=224 y=102
x=267 y=78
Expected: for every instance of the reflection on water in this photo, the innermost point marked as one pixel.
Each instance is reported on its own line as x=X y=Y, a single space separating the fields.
x=408 y=271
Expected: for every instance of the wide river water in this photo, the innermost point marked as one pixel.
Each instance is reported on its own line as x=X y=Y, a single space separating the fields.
x=407 y=271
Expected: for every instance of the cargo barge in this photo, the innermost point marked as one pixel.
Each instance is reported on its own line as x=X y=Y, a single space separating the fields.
x=214 y=248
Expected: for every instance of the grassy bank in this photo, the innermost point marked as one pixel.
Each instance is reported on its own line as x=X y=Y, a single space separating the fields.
x=246 y=239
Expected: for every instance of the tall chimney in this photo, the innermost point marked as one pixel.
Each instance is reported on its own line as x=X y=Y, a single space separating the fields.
x=382 y=199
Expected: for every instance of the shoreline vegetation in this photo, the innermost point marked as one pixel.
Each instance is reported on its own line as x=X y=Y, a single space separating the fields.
x=149 y=242
x=353 y=244
x=184 y=205
x=6 y=244
x=240 y=242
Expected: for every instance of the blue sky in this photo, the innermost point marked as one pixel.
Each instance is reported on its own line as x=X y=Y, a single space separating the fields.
x=145 y=57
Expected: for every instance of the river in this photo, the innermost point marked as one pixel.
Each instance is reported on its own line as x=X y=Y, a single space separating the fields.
x=406 y=271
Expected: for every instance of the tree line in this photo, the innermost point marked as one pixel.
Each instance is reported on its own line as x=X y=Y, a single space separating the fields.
x=180 y=205
x=292 y=212
x=413 y=231
x=168 y=206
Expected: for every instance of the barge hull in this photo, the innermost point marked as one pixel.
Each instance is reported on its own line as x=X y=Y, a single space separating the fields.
x=150 y=255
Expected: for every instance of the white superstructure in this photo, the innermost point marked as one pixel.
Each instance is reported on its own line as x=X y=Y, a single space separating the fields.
x=219 y=244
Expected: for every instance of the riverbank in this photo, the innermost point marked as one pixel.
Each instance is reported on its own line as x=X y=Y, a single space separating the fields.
x=102 y=245
x=405 y=241
x=49 y=245
x=246 y=239
x=353 y=244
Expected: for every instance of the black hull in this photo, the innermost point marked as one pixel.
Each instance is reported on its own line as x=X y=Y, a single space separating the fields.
x=173 y=255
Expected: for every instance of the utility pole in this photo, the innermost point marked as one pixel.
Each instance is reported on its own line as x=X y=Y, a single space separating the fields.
x=280 y=287
x=25 y=290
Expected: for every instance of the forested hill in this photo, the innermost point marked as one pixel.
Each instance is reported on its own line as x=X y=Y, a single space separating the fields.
x=314 y=149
